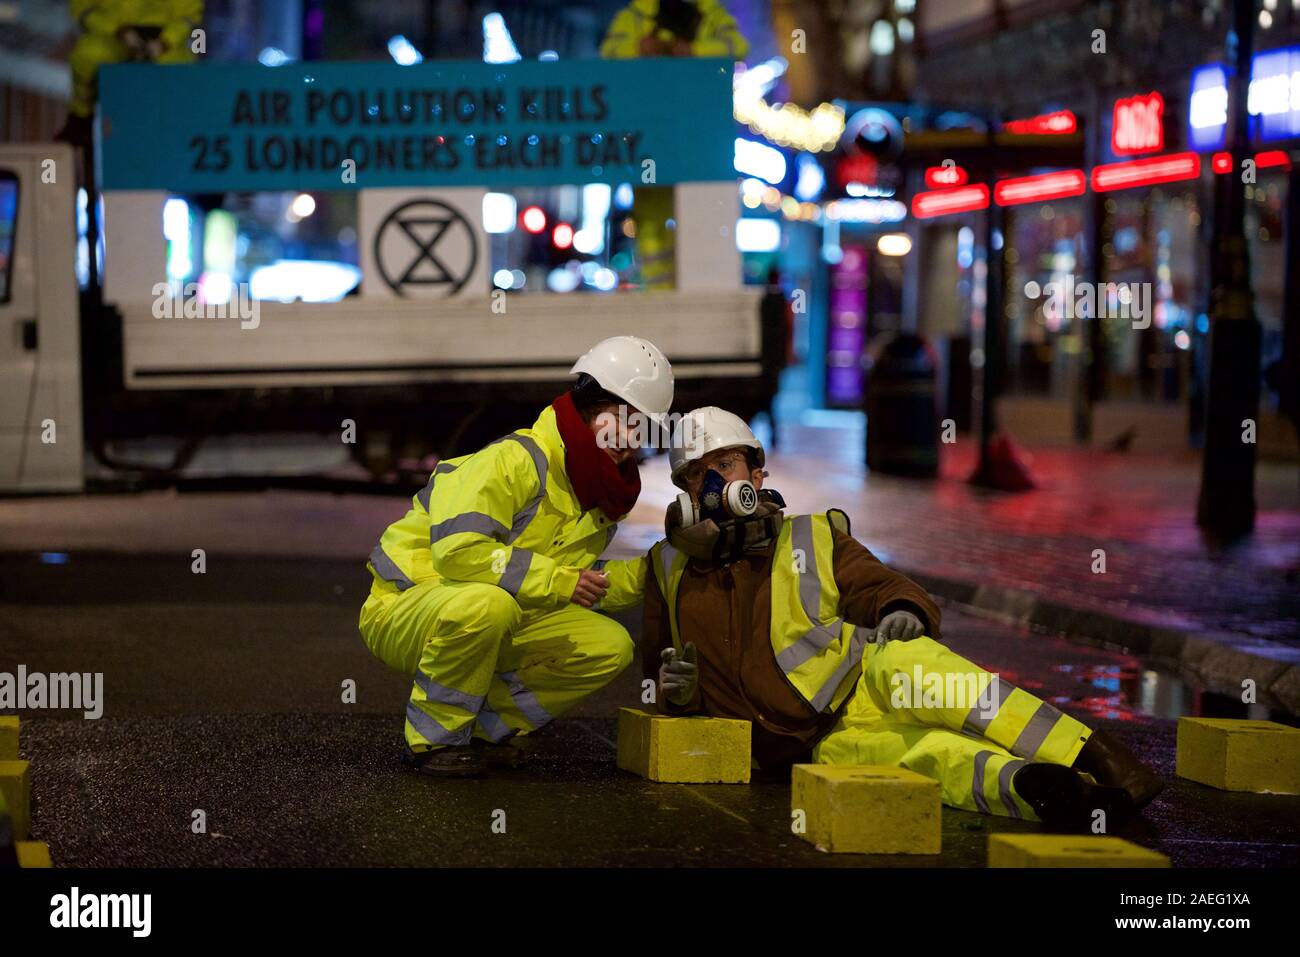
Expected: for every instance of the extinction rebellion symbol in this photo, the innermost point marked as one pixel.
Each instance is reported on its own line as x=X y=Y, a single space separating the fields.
x=430 y=243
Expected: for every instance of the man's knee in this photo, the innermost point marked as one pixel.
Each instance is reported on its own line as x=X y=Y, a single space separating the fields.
x=903 y=657
x=481 y=609
x=610 y=646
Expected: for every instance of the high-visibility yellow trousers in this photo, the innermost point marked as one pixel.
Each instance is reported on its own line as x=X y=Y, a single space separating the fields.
x=656 y=246
x=482 y=667
x=920 y=706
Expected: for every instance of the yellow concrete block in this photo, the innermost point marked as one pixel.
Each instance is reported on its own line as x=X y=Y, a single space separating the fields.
x=1064 y=850
x=866 y=809
x=9 y=737
x=1237 y=755
x=684 y=750
x=16 y=786
x=33 y=854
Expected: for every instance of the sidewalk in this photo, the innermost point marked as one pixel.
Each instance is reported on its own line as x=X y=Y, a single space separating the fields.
x=1222 y=615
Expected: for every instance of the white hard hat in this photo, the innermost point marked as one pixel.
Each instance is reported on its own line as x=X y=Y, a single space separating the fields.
x=632 y=369
x=706 y=430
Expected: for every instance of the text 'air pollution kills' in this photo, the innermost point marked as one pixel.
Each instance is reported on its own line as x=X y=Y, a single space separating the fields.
x=459 y=125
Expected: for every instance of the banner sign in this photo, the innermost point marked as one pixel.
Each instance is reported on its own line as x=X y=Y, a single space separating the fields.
x=347 y=125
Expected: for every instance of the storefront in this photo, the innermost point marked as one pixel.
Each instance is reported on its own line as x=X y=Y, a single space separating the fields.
x=1126 y=241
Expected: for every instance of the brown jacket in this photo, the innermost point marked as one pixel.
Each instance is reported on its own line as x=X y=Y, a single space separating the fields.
x=726 y=611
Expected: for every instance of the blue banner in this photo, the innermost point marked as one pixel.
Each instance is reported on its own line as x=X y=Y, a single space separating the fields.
x=218 y=127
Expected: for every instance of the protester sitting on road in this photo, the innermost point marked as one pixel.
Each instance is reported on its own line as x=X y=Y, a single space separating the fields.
x=791 y=624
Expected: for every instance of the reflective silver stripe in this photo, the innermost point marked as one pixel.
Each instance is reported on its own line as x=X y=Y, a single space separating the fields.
x=476 y=522
x=976 y=721
x=512 y=579
x=530 y=510
x=492 y=724
x=1004 y=786
x=442 y=694
x=388 y=569
x=609 y=535
x=526 y=701
x=442 y=468
x=667 y=555
x=822 y=634
x=816 y=640
x=480 y=522
x=432 y=731
x=1035 y=733
x=977 y=780
x=852 y=660
x=810 y=583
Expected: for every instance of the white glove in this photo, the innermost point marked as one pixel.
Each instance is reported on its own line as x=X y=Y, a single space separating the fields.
x=678 y=675
x=899 y=626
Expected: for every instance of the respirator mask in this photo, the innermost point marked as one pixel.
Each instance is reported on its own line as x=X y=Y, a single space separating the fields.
x=728 y=519
x=719 y=500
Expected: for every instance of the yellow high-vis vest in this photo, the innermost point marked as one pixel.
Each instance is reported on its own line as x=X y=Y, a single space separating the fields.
x=716 y=36
x=818 y=651
x=506 y=515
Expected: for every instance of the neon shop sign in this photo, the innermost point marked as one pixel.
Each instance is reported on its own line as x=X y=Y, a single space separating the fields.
x=1139 y=125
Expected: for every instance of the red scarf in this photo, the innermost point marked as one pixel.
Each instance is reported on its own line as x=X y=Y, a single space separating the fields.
x=596 y=480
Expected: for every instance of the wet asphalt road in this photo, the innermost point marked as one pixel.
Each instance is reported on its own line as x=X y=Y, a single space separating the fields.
x=223 y=693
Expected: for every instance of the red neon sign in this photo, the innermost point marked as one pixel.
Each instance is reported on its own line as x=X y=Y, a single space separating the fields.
x=1139 y=125
x=1035 y=189
x=1062 y=121
x=963 y=199
x=937 y=177
x=1222 y=162
x=1146 y=172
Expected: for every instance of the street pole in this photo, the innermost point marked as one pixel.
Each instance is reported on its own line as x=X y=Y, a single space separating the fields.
x=991 y=344
x=991 y=372
x=910 y=320
x=1287 y=373
x=1092 y=345
x=1225 y=510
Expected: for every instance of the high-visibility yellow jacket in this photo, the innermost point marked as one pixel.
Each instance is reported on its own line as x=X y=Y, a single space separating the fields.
x=506 y=515
x=717 y=35
x=817 y=650
x=99 y=42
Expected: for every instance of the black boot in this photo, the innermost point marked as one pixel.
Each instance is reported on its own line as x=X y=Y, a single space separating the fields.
x=1063 y=799
x=1114 y=765
x=511 y=753
x=446 y=762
